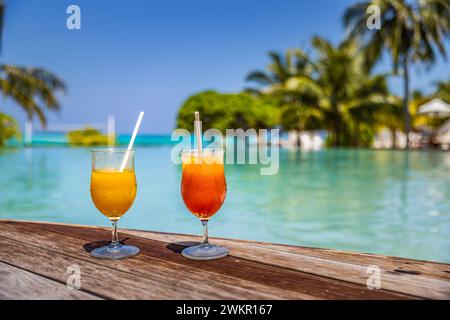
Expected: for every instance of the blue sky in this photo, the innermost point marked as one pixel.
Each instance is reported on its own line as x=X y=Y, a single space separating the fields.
x=151 y=55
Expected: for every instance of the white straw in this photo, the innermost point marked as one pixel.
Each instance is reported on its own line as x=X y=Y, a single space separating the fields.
x=130 y=145
x=198 y=132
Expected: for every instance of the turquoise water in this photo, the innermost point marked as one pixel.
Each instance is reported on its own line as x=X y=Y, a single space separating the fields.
x=389 y=202
x=45 y=138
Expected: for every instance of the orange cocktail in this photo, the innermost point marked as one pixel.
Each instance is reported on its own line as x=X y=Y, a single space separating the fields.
x=113 y=189
x=203 y=188
x=203 y=185
x=113 y=192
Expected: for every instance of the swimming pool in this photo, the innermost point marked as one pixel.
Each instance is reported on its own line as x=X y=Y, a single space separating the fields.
x=389 y=202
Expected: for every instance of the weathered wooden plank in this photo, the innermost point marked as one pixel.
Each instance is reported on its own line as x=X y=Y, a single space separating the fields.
x=426 y=287
x=420 y=278
x=278 y=278
x=409 y=284
x=210 y=276
x=427 y=268
x=17 y=284
x=103 y=281
x=275 y=271
x=176 y=281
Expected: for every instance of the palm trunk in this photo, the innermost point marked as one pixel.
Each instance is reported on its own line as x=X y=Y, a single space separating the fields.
x=298 y=130
x=406 y=114
x=394 y=138
x=299 y=140
x=337 y=131
x=336 y=121
x=357 y=141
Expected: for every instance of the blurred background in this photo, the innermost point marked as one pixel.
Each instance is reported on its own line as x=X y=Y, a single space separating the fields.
x=362 y=102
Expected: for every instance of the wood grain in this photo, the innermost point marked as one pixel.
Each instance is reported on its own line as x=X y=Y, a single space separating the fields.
x=41 y=253
x=190 y=283
x=16 y=283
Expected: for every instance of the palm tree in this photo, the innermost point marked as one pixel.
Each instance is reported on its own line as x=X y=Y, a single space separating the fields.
x=33 y=89
x=332 y=90
x=392 y=119
x=277 y=82
x=411 y=31
x=281 y=69
x=443 y=90
x=343 y=93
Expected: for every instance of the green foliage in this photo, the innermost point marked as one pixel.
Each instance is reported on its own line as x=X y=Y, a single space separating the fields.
x=33 y=89
x=222 y=111
x=410 y=31
x=443 y=90
x=87 y=137
x=330 y=90
x=8 y=128
x=296 y=116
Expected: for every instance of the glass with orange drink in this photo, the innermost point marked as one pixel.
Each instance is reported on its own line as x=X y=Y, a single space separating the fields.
x=203 y=189
x=113 y=191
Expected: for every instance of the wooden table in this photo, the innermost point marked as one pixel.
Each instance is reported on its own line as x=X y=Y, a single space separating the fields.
x=37 y=259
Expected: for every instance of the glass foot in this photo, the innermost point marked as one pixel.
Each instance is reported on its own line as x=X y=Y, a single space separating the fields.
x=115 y=252
x=205 y=252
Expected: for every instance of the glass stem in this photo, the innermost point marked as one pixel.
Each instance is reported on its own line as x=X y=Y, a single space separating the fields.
x=205 y=231
x=115 y=236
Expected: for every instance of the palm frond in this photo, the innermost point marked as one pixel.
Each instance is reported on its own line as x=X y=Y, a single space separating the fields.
x=33 y=89
x=2 y=16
